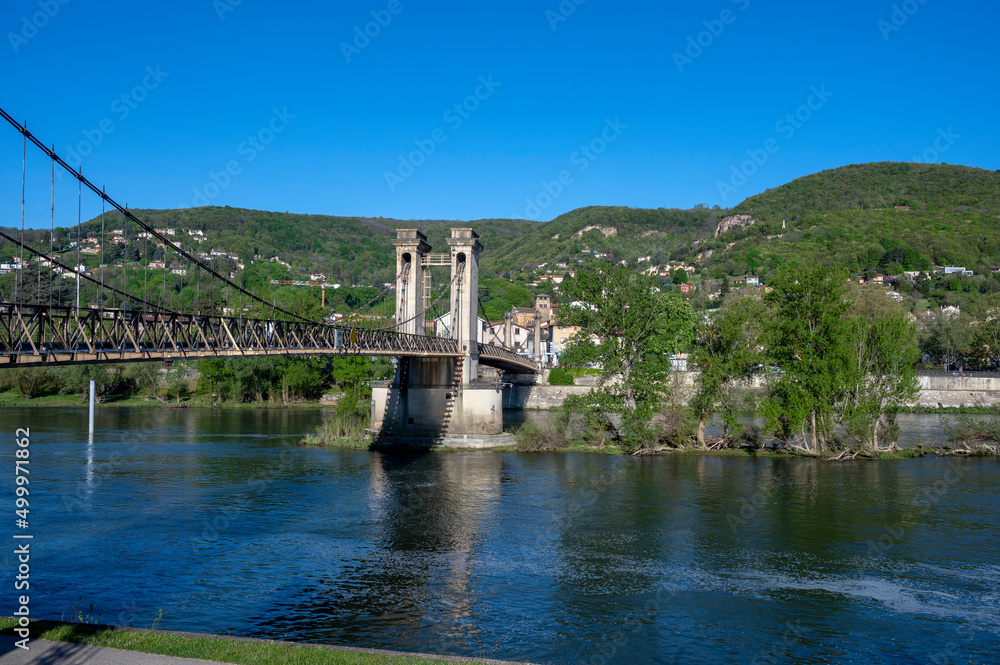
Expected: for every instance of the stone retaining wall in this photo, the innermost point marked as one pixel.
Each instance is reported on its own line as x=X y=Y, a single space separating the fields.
x=944 y=390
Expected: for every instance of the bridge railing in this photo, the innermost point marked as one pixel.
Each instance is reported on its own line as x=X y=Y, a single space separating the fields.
x=498 y=356
x=40 y=334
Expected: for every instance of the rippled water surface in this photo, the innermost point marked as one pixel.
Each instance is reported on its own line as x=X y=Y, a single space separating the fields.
x=211 y=517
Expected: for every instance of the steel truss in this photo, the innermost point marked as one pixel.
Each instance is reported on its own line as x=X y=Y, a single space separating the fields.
x=40 y=335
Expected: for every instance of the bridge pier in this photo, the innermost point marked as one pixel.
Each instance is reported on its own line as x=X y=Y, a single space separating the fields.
x=425 y=401
x=440 y=399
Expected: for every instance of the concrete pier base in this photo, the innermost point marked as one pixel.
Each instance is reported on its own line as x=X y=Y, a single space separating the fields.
x=425 y=400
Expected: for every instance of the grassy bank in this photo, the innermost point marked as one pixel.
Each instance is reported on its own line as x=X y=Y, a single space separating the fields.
x=222 y=649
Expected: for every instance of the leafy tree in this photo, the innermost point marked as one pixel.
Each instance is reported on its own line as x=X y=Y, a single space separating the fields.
x=30 y=382
x=638 y=329
x=147 y=376
x=806 y=338
x=949 y=338
x=728 y=353
x=76 y=379
x=879 y=377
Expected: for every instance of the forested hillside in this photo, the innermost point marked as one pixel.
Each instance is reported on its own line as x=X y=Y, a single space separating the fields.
x=872 y=218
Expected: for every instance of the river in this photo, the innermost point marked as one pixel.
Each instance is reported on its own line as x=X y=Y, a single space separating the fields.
x=215 y=521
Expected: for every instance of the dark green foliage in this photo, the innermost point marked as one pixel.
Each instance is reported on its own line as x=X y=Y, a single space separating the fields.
x=560 y=377
x=285 y=379
x=638 y=328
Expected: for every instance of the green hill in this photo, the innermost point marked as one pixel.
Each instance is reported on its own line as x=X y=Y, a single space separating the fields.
x=922 y=187
x=845 y=216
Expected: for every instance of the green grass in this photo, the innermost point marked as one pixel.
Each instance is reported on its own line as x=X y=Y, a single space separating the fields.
x=224 y=650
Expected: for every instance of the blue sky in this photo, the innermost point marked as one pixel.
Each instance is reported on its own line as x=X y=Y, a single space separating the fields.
x=559 y=105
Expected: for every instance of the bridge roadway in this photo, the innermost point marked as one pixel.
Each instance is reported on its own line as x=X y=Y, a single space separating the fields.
x=39 y=335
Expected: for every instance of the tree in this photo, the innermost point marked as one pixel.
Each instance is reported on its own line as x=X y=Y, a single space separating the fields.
x=76 y=379
x=879 y=377
x=679 y=276
x=31 y=382
x=805 y=340
x=987 y=334
x=728 y=353
x=147 y=375
x=638 y=329
x=949 y=338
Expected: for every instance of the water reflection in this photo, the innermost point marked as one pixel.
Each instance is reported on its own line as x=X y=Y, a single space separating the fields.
x=217 y=518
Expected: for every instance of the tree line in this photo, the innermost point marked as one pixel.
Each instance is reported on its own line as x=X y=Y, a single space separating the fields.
x=821 y=363
x=279 y=380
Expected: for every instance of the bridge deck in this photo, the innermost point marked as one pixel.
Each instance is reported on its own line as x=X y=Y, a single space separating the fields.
x=39 y=335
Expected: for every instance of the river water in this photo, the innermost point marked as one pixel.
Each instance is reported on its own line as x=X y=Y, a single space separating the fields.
x=216 y=522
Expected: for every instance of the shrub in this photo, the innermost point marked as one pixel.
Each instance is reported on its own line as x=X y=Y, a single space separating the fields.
x=549 y=434
x=560 y=377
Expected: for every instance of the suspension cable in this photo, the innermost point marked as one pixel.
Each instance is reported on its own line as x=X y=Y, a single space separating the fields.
x=79 y=227
x=78 y=174
x=52 y=226
x=19 y=290
x=426 y=309
x=100 y=295
x=78 y=274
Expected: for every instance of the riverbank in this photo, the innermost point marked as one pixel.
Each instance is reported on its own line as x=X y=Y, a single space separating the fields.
x=549 y=399
x=223 y=648
x=193 y=402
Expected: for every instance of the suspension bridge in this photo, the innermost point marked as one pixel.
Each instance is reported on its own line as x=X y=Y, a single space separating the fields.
x=134 y=311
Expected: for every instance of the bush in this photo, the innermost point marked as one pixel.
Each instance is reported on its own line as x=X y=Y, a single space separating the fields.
x=547 y=435
x=560 y=377
x=347 y=426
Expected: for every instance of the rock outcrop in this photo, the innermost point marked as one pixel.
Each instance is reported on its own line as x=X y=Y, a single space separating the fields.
x=734 y=222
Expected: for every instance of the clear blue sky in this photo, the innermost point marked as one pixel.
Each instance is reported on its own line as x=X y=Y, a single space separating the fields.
x=680 y=126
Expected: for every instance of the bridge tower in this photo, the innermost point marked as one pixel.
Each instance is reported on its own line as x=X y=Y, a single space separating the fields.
x=465 y=248
x=411 y=247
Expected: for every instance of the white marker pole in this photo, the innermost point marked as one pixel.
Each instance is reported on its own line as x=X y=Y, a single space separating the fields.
x=91 y=407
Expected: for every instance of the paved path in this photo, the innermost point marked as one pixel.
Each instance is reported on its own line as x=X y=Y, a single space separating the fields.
x=43 y=652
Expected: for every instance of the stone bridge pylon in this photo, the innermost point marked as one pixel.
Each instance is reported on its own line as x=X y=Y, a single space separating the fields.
x=440 y=400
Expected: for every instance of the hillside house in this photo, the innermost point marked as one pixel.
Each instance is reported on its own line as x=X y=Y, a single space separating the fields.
x=753 y=280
